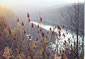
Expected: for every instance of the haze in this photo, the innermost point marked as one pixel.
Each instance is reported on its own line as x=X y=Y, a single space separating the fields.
x=35 y=3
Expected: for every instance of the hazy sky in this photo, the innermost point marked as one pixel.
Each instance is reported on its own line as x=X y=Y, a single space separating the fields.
x=24 y=5
x=36 y=3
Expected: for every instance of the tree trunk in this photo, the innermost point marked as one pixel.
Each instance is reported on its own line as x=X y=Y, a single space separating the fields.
x=77 y=44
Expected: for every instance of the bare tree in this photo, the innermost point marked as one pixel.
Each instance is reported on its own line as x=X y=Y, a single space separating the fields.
x=74 y=17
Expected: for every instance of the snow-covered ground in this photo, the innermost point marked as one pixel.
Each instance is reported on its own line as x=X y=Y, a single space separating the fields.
x=47 y=27
x=69 y=35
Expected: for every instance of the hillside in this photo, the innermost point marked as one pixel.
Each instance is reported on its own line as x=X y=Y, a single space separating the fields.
x=5 y=12
x=8 y=15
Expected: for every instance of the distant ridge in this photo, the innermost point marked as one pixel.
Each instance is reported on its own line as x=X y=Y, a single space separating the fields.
x=8 y=14
x=5 y=12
